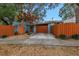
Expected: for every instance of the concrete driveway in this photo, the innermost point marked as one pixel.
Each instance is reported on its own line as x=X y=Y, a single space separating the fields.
x=42 y=39
x=49 y=40
x=42 y=36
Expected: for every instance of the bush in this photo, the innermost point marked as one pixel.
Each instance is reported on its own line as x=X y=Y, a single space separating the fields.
x=29 y=33
x=16 y=33
x=62 y=36
x=75 y=36
x=0 y=36
x=4 y=36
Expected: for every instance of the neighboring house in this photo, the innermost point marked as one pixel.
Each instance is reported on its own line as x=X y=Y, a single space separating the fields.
x=43 y=27
x=69 y=19
x=72 y=20
x=70 y=16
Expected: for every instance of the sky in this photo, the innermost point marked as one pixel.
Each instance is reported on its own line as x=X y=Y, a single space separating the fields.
x=53 y=13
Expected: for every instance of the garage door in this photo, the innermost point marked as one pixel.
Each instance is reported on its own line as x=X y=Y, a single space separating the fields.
x=42 y=28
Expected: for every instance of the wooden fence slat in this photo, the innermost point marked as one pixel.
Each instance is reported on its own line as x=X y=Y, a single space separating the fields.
x=68 y=29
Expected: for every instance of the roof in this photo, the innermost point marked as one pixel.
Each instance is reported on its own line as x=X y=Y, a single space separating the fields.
x=49 y=22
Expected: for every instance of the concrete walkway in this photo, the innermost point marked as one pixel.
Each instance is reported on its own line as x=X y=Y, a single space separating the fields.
x=50 y=40
x=42 y=39
x=42 y=36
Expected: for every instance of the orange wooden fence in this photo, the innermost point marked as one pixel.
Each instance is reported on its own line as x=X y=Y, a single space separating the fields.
x=42 y=28
x=67 y=29
x=6 y=30
x=21 y=29
x=58 y=29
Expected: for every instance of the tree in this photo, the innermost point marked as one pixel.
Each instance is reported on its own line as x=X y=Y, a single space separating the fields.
x=35 y=9
x=8 y=11
x=69 y=10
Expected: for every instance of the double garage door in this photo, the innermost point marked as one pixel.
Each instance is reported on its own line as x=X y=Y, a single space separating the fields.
x=43 y=28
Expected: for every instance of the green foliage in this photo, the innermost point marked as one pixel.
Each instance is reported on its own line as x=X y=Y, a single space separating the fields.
x=38 y=9
x=7 y=10
x=75 y=36
x=68 y=10
x=1 y=22
x=62 y=36
x=29 y=33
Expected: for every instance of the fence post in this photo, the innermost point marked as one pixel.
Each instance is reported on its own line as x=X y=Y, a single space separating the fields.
x=49 y=28
x=34 y=29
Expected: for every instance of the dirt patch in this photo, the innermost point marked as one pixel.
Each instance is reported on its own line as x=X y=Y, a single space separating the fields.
x=19 y=37
x=35 y=50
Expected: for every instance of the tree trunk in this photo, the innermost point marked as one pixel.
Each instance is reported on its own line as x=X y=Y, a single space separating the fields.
x=77 y=13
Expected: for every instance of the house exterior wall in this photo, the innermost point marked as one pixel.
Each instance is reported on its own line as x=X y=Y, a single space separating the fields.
x=72 y=20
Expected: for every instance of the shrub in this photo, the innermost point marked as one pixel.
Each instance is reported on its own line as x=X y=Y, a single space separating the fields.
x=0 y=36
x=75 y=36
x=26 y=31
x=16 y=33
x=4 y=36
x=62 y=36
x=29 y=33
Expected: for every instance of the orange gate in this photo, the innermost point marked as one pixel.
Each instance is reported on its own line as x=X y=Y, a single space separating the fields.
x=42 y=28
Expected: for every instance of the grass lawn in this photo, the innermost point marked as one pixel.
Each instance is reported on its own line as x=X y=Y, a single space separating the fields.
x=35 y=50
